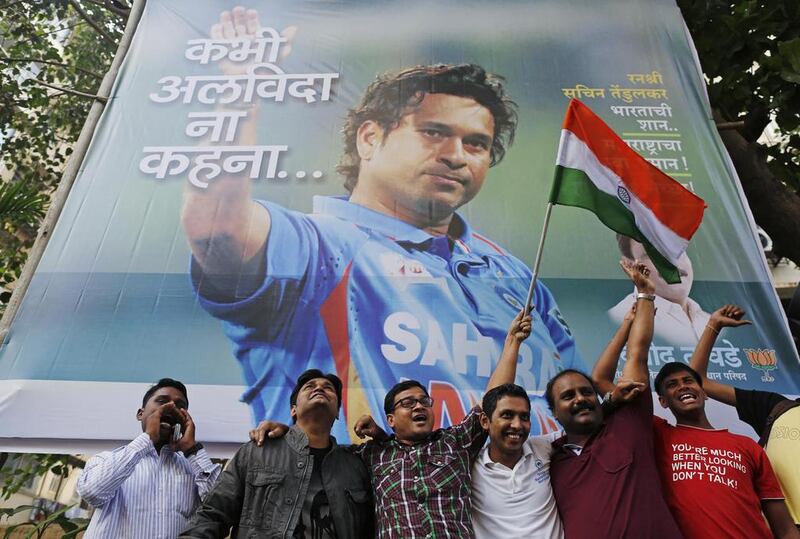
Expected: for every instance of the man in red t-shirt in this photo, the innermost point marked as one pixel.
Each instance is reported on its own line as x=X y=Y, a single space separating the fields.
x=715 y=483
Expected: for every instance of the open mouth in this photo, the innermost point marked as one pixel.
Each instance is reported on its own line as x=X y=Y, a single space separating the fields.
x=420 y=417
x=168 y=421
x=688 y=398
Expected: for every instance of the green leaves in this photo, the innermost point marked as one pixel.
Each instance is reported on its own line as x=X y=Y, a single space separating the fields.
x=55 y=43
x=750 y=52
x=790 y=53
x=21 y=202
x=70 y=528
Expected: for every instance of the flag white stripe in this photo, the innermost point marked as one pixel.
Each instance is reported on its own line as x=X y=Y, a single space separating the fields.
x=574 y=153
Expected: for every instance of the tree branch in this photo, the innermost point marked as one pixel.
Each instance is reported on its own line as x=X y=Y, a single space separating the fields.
x=49 y=62
x=106 y=4
x=91 y=22
x=775 y=207
x=729 y=125
x=68 y=90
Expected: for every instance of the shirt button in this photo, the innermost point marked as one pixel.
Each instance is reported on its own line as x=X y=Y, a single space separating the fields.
x=416 y=479
x=287 y=501
x=301 y=464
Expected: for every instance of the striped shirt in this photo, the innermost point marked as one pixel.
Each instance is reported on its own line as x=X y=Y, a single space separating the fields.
x=139 y=493
x=423 y=491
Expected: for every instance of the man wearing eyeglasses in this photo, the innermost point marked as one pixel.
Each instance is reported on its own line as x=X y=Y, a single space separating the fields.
x=421 y=476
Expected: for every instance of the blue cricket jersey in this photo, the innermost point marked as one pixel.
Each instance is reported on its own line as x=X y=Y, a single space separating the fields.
x=376 y=300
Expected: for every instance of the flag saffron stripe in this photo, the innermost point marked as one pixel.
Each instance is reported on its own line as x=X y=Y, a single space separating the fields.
x=576 y=189
x=574 y=153
x=673 y=205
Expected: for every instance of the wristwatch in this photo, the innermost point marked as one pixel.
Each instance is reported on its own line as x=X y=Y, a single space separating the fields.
x=192 y=450
x=648 y=297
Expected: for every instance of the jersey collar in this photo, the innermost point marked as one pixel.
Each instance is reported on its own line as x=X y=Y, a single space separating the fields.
x=395 y=229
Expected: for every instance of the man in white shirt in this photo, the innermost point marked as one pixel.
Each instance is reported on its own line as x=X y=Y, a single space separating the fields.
x=511 y=493
x=150 y=488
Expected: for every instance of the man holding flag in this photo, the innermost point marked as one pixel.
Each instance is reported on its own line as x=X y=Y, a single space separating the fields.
x=603 y=470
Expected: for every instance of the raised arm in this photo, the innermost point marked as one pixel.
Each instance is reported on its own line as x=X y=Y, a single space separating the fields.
x=205 y=472
x=641 y=334
x=606 y=366
x=227 y=230
x=727 y=316
x=506 y=370
x=105 y=473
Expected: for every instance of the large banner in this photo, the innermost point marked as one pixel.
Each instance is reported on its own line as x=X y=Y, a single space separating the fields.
x=359 y=187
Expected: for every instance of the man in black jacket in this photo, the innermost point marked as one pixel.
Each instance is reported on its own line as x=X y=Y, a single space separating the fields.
x=298 y=486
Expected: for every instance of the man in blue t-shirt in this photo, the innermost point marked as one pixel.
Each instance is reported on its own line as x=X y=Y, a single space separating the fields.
x=388 y=283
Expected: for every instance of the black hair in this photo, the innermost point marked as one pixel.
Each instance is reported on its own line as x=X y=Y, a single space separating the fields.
x=548 y=391
x=393 y=95
x=492 y=396
x=311 y=374
x=671 y=368
x=388 y=400
x=165 y=382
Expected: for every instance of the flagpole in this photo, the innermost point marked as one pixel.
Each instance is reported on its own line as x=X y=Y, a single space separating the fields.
x=538 y=260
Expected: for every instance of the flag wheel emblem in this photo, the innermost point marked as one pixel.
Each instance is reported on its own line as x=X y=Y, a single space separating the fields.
x=623 y=194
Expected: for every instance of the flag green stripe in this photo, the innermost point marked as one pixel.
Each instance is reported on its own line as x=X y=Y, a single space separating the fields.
x=572 y=187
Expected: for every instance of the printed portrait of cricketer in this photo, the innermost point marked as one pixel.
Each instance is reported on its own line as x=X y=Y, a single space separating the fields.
x=388 y=281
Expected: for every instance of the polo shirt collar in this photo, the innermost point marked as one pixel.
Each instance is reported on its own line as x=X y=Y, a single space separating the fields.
x=561 y=443
x=341 y=207
x=487 y=461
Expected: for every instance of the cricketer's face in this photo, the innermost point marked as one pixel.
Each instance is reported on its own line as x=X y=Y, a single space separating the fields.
x=434 y=161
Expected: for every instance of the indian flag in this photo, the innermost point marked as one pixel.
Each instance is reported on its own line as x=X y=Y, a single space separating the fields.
x=597 y=171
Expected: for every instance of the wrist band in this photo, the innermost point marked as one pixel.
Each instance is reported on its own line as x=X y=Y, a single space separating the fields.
x=712 y=328
x=648 y=297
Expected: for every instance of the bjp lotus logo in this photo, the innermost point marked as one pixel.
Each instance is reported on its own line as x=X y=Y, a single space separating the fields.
x=764 y=361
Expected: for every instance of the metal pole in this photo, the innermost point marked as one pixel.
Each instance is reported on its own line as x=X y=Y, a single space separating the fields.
x=538 y=261
x=70 y=172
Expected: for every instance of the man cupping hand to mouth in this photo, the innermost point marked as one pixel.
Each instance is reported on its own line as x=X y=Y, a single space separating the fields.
x=164 y=457
x=168 y=423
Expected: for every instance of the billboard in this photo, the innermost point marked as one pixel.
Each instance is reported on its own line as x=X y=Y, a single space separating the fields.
x=347 y=186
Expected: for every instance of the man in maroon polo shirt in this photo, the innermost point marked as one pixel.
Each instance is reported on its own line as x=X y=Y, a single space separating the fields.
x=604 y=472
